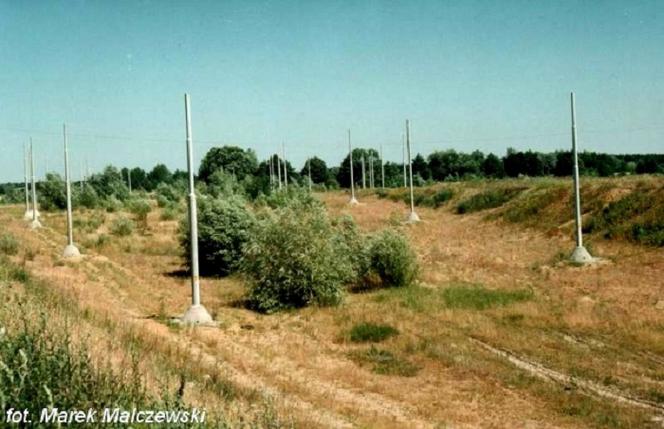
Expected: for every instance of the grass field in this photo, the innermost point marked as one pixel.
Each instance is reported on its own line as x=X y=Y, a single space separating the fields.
x=500 y=330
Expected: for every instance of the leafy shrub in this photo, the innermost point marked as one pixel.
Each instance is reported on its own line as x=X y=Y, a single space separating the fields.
x=293 y=195
x=224 y=226
x=166 y=194
x=88 y=197
x=8 y=244
x=355 y=246
x=140 y=208
x=488 y=199
x=392 y=259
x=370 y=332
x=11 y=194
x=52 y=194
x=222 y=184
x=295 y=258
x=170 y=212
x=122 y=226
x=91 y=223
x=112 y=204
x=442 y=196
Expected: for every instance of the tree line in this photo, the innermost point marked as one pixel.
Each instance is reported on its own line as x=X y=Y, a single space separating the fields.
x=260 y=177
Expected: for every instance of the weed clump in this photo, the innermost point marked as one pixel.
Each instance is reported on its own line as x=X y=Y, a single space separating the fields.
x=385 y=362
x=8 y=244
x=370 y=332
x=478 y=297
x=122 y=227
x=140 y=208
x=392 y=259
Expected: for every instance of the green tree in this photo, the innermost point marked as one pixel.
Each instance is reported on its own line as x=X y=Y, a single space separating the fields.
x=231 y=159
x=319 y=171
x=343 y=174
x=492 y=166
x=159 y=174
x=52 y=194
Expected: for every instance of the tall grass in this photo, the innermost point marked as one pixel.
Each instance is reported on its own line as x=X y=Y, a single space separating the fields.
x=488 y=199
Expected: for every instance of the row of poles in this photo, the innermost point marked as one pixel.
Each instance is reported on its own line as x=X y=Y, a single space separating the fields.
x=32 y=213
x=275 y=177
x=197 y=314
x=580 y=254
x=412 y=216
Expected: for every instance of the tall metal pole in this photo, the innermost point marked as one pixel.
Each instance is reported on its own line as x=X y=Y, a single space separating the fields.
x=283 y=153
x=580 y=254
x=279 y=168
x=364 y=181
x=196 y=313
x=27 y=215
x=35 y=213
x=270 y=171
x=382 y=168
x=371 y=170
x=309 y=168
x=413 y=217
x=353 y=200
x=71 y=251
x=403 y=153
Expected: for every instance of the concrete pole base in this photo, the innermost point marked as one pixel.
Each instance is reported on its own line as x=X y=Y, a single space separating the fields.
x=28 y=215
x=35 y=224
x=413 y=218
x=581 y=256
x=197 y=315
x=353 y=201
x=71 y=251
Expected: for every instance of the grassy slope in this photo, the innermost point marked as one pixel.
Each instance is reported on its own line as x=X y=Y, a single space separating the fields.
x=626 y=208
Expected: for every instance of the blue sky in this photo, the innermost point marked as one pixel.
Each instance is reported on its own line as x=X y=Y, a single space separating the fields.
x=468 y=74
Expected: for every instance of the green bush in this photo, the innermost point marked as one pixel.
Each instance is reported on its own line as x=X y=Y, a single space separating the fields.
x=8 y=244
x=112 y=204
x=355 y=245
x=88 y=197
x=441 y=197
x=392 y=259
x=166 y=194
x=140 y=208
x=122 y=227
x=293 y=195
x=224 y=226
x=170 y=212
x=488 y=199
x=52 y=195
x=370 y=332
x=295 y=258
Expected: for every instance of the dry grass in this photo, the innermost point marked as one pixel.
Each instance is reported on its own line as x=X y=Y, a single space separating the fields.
x=598 y=323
